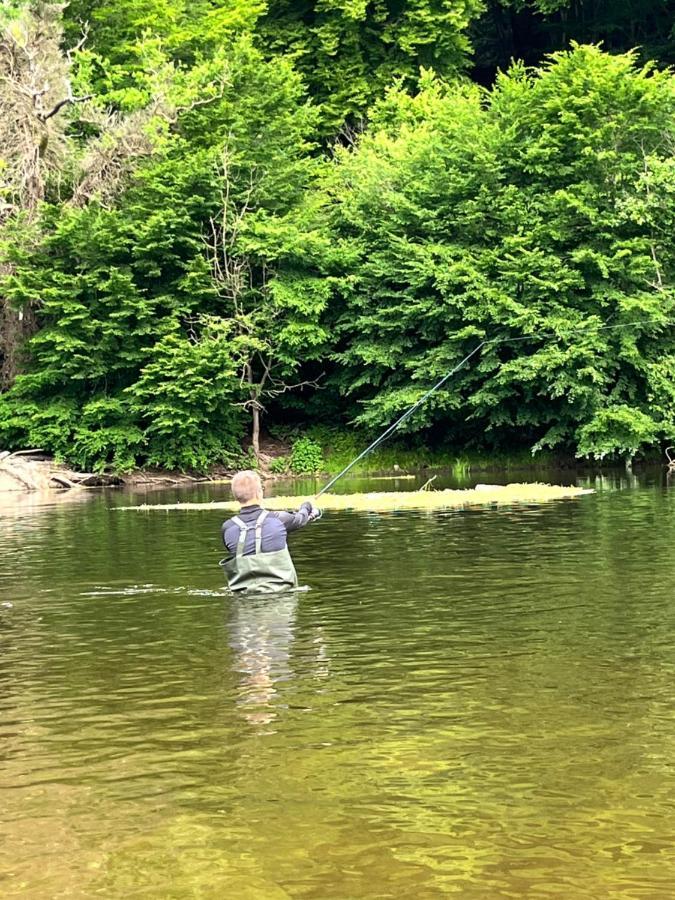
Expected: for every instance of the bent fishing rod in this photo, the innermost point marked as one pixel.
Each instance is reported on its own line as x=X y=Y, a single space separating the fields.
x=439 y=384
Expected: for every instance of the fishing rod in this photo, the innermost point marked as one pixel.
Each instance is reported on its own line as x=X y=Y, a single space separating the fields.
x=439 y=384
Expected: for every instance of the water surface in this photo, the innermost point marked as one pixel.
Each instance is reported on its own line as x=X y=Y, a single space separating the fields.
x=477 y=703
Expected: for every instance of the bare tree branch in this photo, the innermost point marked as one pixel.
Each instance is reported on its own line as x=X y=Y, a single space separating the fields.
x=244 y=285
x=64 y=102
x=279 y=388
x=658 y=283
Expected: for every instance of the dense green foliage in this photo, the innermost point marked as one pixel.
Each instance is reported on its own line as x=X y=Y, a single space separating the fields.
x=306 y=457
x=543 y=211
x=349 y=52
x=246 y=264
x=139 y=355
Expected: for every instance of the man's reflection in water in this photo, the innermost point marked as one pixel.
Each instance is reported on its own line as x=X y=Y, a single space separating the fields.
x=261 y=633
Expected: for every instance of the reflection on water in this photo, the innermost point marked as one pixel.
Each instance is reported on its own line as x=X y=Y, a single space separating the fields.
x=261 y=635
x=478 y=703
x=261 y=632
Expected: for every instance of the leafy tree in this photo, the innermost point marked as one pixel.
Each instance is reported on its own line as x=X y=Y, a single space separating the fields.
x=57 y=146
x=275 y=323
x=177 y=257
x=539 y=215
x=35 y=93
x=349 y=53
x=131 y=40
x=188 y=393
x=184 y=30
x=131 y=322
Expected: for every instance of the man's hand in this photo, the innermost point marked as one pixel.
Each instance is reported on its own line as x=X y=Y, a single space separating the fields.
x=313 y=512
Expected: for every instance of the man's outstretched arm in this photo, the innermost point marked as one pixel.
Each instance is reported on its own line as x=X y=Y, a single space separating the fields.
x=294 y=520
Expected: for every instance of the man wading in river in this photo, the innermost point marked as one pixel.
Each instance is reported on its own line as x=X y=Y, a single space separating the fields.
x=256 y=539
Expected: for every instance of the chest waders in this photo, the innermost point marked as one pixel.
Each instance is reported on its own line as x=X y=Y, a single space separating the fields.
x=263 y=573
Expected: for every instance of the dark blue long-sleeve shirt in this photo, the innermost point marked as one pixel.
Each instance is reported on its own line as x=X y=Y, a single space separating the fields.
x=275 y=528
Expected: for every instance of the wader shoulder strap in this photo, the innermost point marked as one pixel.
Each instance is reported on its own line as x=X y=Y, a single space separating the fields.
x=244 y=529
x=241 y=525
x=258 y=530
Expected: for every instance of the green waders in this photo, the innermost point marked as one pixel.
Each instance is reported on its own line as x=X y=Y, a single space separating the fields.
x=260 y=573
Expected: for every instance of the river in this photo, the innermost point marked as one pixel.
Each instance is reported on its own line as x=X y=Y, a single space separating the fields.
x=475 y=703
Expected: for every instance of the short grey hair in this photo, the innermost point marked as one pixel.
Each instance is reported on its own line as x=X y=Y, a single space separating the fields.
x=246 y=486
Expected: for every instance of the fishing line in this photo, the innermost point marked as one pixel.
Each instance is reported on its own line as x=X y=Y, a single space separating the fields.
x=491 y=342
x=406 y=415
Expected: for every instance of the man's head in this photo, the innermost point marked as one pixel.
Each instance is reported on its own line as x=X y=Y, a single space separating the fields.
x=247 y=488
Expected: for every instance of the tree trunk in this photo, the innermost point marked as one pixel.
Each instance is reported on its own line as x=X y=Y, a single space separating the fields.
x=255 y=430
x=16 y=326
x=255 y=412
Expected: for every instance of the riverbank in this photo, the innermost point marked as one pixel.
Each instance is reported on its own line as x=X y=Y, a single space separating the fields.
x=323 y=451
x=22 y=473
x=318 y=453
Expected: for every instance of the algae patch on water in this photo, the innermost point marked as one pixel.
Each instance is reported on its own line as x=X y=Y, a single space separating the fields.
x=383 y=501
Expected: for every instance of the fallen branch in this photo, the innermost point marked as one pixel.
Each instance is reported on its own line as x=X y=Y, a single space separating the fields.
x=63 y=481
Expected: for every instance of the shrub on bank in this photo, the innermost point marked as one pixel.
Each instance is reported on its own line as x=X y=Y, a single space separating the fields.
x=306 y=457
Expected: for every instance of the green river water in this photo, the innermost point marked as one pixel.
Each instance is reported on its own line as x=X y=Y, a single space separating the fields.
x=476 y=703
